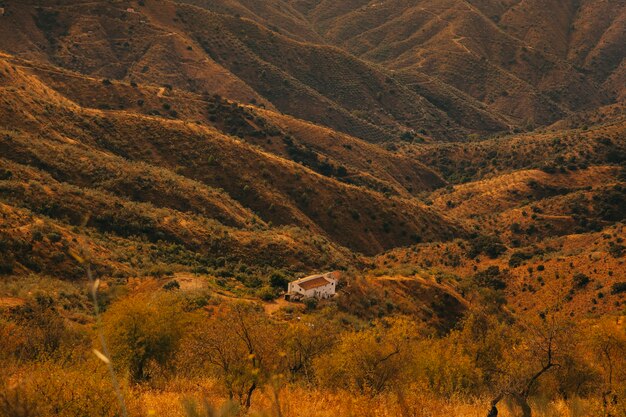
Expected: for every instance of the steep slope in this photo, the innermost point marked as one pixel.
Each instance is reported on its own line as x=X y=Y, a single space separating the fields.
x=199 y=50
x=56 y=135
x=276 y=15
x=327 y=152
x=528 y=60
x=531 y=278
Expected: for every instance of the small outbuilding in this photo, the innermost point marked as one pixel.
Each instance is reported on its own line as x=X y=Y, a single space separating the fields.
x=315 y=286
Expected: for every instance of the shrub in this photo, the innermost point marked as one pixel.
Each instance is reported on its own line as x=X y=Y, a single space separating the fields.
x=279 y=280
x=616 y=250
x=581 y=280
x=517 y=258
x=489 y=245
x=490 y=278
x=310 y=303
x=266 y=293
x=618 y=288
x=39 y=331
x=516 y=228
x=371 y=360
x=54 y=237
x=52 y=389
x=5 y=174
x=172 y=285
x=6 y=264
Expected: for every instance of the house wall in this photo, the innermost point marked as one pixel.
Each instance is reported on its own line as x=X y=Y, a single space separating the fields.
x=321 y=292
x=295 y=289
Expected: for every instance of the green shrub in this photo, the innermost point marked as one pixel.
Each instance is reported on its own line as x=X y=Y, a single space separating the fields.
x=517 y=258
x=279 y=280
x=490 y=278
x=172 y=285
x=310 y=303
x=618 y=288
x=266 y=293
x=581 y=280
x=489 y=245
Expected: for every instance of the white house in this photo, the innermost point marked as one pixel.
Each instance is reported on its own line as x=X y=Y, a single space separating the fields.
x=314 y=286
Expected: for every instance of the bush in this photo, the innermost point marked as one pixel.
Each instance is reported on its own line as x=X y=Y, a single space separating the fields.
x=52 y=389
x=616 y=250
x=310 y=303
x=517 y=258
x=36 y=330
x=490 y=278
x=172 y=285
x=266 y=294
x=279 y=280
x=618 y=288
x=372 y=360
x=489 y=245
x=6 y=264
x=581 y=280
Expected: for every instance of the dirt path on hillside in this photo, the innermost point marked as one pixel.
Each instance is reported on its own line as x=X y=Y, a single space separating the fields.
x=10 y=302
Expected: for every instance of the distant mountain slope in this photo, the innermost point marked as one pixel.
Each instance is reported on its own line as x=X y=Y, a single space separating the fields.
x=197 y=49
x=191 y=168
x=534 y=61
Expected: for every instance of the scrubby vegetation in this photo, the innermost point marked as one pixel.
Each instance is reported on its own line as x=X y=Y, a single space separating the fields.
x=172 y=355
x=168 y=168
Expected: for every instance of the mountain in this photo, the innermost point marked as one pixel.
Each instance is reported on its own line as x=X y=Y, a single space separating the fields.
x=534 y=62
x=168 y=167
x=366 y=126
x=196 y=169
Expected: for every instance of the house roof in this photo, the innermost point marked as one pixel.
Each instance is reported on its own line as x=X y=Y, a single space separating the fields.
x=313 y=282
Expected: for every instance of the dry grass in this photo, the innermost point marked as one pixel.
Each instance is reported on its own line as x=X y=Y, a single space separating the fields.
x=310 y=402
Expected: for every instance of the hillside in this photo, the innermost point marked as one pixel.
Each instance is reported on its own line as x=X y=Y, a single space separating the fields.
x=312 y=208
x=533 y=61
x=240 y=60
x=201 y=159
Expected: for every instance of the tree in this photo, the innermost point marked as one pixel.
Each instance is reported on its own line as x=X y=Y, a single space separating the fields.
x=142 y=330
x=535 y=348
x=239 y=345
x=305 y=341
x=279 y=280
x=607 y=344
